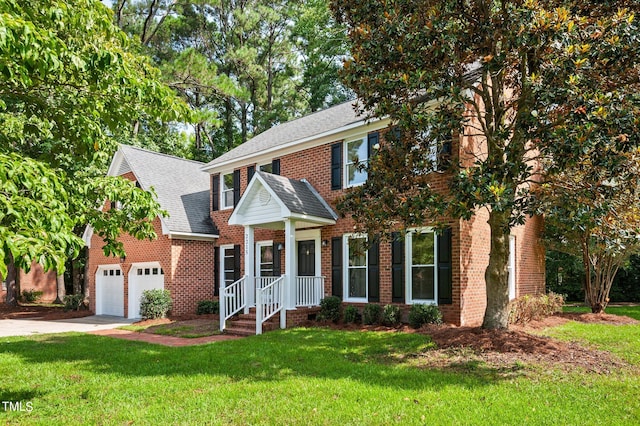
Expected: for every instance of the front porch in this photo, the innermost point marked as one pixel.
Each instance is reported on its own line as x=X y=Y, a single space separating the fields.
x=277 y=203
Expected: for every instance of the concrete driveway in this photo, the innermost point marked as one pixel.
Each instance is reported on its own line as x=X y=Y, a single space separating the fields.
x=29 y=327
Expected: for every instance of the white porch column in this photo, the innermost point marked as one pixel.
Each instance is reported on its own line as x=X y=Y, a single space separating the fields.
x=290 y=262
x=249 y=267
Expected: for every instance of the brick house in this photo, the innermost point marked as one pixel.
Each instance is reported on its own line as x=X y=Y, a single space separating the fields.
x=179 y=259
x=37 y=280
x=273 y=199
x=275 y=241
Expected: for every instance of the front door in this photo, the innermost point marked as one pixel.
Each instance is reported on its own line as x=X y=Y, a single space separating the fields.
x=307 y=258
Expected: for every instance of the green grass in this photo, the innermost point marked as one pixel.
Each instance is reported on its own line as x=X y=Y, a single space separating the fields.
x=298 y=376
x=178 y=329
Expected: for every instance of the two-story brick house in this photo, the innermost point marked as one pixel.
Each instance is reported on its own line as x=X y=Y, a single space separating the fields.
x=273 y=199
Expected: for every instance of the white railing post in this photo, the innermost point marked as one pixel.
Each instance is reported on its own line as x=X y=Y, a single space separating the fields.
x=283 y=311
x=259 y=309
x=222 y=300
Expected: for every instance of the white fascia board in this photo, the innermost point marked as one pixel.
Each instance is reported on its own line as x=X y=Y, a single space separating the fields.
x=313 y=219
x=349 y=130
x=192 y=236
x=87 y=235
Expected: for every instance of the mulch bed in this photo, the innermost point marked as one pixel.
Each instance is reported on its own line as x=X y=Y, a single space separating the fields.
x=45 y=313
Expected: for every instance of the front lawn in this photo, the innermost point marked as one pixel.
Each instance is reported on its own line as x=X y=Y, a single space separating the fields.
x=302 y=376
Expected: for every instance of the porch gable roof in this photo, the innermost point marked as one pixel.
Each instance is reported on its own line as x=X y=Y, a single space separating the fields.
x=270 y=199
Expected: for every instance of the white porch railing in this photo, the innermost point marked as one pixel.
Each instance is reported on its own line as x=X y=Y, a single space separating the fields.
x=309 y=291
x=269 y=300
x=232 y=300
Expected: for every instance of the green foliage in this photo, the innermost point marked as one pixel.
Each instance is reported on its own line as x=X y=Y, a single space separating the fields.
x=330 y=309
x=31 y=296
x=531 y=308
x=73 y=302
x=564 y=275
x=208 y=307
x=391 y=315
x=518 y=77
x=371 y=313
x=155 y=303
x=421 y=314
x=351 y=314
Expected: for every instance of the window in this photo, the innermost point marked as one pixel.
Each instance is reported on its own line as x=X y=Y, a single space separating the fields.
x=421 y=268
x=356 y=270
x=228 y=265
x=436 y=154
x=264 y=261
x=268 y=168
x=512 y=267
x=356 y=159
x=227 y=191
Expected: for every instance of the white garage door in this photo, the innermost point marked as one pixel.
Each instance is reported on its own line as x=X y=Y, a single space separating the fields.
x=110 y=291
x=143 y=276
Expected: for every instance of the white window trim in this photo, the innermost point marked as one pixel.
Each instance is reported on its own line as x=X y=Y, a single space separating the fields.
x=223 y=248
x=345 y=277
x=223 y=206
x=408 y=266
x=347 y=162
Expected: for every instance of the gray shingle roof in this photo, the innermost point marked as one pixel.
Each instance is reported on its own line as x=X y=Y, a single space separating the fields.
x=299 y=196
x=301 y=128
x=182 y=188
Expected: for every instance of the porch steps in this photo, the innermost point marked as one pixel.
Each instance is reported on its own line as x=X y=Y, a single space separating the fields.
x=245 y=324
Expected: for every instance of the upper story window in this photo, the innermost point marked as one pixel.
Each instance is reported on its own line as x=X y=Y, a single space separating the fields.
x=226 y=193
x=268 y=168
x=356 y=159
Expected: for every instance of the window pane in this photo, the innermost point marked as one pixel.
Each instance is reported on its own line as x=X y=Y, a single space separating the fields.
x=357 y=252
x=357 y=151
x=267 y=168
x=228 y=198
x=422 y=249
x=227 y=181
x=355 y=176
x=358 y=282
x=422 y=282
x=266 y=261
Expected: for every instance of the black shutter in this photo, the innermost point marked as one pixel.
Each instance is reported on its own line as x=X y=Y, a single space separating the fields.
x=275 y=166
x=372 y=139
x=445 y=284
x=397 y=268
x=236 y=187
x=336 y=165
x=251 y=170
x=236 y=262
x=215 y=189
x=373 y=272
x=216 y=271
x=336 y=266
x=277 y=268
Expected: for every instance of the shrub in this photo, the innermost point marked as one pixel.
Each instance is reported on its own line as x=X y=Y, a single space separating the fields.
x=330 y=309
x=530 y=308
x=208 y=307
x=73 y=302
x=421 y=314
x=31 y=296
x=155 y=303
x=391 y=315
x=371 y=313
x=351 y=314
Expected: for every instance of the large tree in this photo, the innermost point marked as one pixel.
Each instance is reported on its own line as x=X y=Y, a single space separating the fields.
x=525 y=80
x=69 y=83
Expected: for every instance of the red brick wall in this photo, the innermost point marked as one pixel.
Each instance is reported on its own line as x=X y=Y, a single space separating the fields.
x=192 y=274
x=187 y=265
x=470 y=239
x=39 y=280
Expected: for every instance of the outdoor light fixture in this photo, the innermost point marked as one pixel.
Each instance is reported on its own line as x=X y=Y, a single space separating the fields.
x=325 y=243
x=280 y=246
x=123 y=258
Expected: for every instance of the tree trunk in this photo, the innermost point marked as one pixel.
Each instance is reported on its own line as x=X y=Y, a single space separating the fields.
x=76 y=277
x=496 y=275
x=12 y=281
x=60 y=289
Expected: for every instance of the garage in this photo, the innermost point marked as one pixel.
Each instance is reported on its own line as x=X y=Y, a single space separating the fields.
x=143 y=276
x=110 y=291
